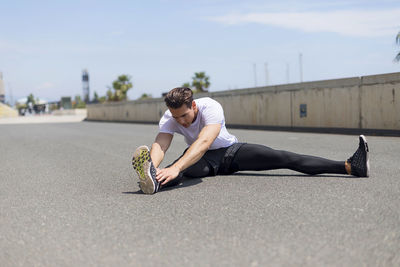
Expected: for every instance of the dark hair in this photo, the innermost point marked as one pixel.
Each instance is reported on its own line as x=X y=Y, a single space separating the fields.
x=179 y=96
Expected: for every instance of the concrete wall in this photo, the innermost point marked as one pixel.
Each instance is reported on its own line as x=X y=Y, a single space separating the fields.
x=382 y=106
x=70 y=112
x=139 y=111
x=369 y=102
x=7 y=112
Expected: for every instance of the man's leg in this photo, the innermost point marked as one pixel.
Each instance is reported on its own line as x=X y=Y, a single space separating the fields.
x=258 y=157
x=198 y=170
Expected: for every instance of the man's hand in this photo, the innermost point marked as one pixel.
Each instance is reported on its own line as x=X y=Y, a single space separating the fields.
x=167 y=174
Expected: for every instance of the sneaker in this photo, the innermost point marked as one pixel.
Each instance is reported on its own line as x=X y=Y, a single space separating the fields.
x=359 y=161
x=145 y=170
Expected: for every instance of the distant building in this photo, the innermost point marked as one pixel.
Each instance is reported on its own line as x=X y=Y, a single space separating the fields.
x=85 y=85
x=66 y=102
x=2 y=90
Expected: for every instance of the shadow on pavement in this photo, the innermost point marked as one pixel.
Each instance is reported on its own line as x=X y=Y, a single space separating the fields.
x=184 y=183
x=139 y=192
x=194 y=181
x=295 y=175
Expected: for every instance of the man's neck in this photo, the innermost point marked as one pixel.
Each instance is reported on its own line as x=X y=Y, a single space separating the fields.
x=196 y=111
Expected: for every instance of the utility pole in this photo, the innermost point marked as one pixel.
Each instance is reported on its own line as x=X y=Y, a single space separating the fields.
x=255 y=74
x=287 y=73
x=11 y=95
x=2 y=90
x=301 y=66
x=266 y=74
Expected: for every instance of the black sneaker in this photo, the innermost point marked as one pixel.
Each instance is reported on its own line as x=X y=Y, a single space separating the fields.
x=359 y=161
x=145 y=170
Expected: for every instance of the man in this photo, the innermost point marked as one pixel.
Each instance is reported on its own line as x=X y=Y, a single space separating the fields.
x=212 y=150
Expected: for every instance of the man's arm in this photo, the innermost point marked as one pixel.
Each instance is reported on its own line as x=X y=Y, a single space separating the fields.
x=160 y=147
x=193 y=154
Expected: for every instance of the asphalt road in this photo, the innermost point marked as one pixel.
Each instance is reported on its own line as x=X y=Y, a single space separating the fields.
x=69 y=197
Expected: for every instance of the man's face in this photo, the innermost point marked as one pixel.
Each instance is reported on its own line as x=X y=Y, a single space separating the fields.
x=184 y=116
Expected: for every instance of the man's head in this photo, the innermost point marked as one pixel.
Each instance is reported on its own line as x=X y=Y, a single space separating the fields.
x=180 y=102
x=179 y=96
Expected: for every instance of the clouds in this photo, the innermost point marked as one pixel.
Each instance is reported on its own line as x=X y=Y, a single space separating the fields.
x=357 y=23
x=43 y=49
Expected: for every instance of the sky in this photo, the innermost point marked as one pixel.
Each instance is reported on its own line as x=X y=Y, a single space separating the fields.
x=45 y=45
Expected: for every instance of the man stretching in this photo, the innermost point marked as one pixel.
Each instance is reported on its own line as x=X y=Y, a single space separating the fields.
x=212 y=150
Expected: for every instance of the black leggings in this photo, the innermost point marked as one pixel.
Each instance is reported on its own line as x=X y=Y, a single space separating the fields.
x=254 y=157
x=198 y=170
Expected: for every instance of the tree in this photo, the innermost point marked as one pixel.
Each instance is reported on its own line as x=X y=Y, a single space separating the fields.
x=121 y=87
x=146 y=96
x=30 y=99
x=78 y=103
x=95 y=97
x=110 y=96
x=397 y=58
x=200 y=81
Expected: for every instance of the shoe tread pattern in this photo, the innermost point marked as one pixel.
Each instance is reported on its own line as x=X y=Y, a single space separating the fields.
x=141 y=163
x=138 y=163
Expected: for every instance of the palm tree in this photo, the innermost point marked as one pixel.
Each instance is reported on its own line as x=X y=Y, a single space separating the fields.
x=30 y=99
x=397 y=58
x=121 y=87
x=201 y=81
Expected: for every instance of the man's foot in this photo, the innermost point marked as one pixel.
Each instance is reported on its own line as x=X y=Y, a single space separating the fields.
x=145 y=170
x=359 y=162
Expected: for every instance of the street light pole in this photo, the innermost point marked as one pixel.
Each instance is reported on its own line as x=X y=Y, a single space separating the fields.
x=255 y=74
x=301 y=66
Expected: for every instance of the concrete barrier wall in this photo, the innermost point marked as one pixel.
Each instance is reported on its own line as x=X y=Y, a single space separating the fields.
x=262 y=108
x=70 y=112
x=381 y=108
x=369 y=102
x=138 y=111
x=7 y=112
x=327 y=107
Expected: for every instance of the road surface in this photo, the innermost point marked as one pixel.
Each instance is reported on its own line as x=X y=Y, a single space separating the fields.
x=69 y=197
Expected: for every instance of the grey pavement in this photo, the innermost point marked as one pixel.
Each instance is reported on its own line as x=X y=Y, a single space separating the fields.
x=42 y=119
x=69 y=197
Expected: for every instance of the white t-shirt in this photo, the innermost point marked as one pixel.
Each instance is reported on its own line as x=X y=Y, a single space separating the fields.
x=209 y=112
